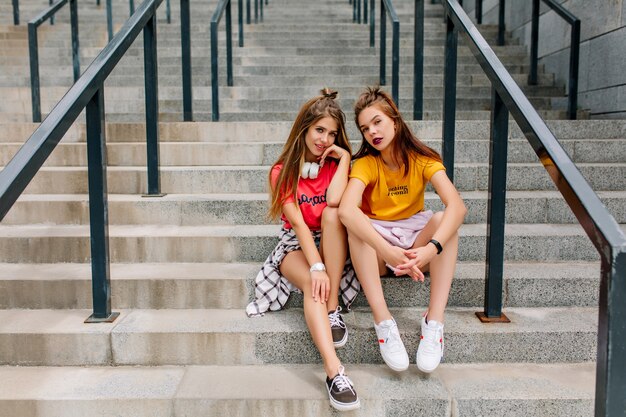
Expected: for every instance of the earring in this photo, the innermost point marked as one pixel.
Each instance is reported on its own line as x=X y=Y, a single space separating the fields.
x=310 y=170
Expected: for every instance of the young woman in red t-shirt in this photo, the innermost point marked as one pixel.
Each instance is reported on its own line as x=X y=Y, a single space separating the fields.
x=307 y=182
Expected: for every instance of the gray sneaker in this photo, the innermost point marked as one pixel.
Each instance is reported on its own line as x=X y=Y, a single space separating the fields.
x=338 y=328
x=341 y=392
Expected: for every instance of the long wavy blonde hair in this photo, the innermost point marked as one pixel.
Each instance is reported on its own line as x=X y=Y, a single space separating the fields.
x=292 y=155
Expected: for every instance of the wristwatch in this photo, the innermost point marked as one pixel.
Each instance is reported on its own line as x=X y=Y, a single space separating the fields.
x=318 y=266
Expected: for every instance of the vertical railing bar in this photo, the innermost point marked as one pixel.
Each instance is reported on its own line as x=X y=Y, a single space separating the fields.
x=240 y=16
x=109 y=19
x=479 y=12
x=256 y=11
x=152 y=105
x=501 y=23
x=534 y=44
x=33 y=51
x=248 y=11
x=449 y=98
x=16 y=12
x=358 y=11
x=215 y=107
x=75 y=42
x=98 y=210
x=51 y=17
x=418 y=62
x=354 y=11
x=168 y=11
x=229 y=45
x=573 y=71
x=395 y=63
x=383 y=42
x=498 y=142
x=131 y=6
x=261 y=7
x=372 y=23
x=185 y=39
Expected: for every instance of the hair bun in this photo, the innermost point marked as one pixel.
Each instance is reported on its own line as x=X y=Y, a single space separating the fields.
x=328 y=93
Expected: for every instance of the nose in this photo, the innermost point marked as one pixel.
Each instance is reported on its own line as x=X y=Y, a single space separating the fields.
x=324 y=138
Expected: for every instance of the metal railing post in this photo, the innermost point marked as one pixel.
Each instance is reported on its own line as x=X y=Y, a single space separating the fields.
x=611 y=359
x=372 y=23
x=354 y=11
x=418 y=62
x=215 y=106
x=240 y=16
x=168 y=11
x=256 y=11
x=383 y=42
x=75 y=43
x=501 y=23
x=109 y=19
x=51 y=17
x=185 y=40
x=248 y=11
x=152 y=105
x=395 y=62
x=572 y=85
x=131 y=6
x=229 y=45
x=261 y=8
x=358 y=11
x=33 y=51
x=449 y=98
x=16 y=12
x=534 y=44
x=365 y=12
x=478 y=11
x=98 y=210
x=494 y=267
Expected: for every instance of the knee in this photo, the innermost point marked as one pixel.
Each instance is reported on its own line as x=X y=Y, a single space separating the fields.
x=330 y=217
x=436 y=219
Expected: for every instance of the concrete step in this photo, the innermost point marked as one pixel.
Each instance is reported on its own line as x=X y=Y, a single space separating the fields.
x=256 y=153
x=223 y=209
x=515 y=390
x=234 y=132
x=231 y=286
x=44 y=243
x=228 y=337
x=246 y=179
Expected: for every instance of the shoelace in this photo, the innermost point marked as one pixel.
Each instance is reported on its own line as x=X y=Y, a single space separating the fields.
x=342 y=382
x=392 y=340
x=335 y=319
x=430 y=340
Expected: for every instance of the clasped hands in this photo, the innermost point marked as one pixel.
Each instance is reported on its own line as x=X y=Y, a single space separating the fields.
x=410 y=261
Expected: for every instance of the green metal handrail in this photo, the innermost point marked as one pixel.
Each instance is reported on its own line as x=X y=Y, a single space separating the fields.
x=602 y=229
x=88 y=94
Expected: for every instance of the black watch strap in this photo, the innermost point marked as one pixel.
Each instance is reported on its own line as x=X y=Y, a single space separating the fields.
x=437 y=245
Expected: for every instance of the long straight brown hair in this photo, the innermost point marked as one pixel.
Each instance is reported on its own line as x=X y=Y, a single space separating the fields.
x=405 y=143
x=292 y=155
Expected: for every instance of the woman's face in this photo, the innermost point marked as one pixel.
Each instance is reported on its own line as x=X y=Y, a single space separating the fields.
x=377 y=128
x=320 y=136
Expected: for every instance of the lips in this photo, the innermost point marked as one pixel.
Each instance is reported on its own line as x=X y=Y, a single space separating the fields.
x=377 y=141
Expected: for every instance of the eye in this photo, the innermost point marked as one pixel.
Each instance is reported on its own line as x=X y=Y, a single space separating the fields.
x=364 y=129
x=319 y=130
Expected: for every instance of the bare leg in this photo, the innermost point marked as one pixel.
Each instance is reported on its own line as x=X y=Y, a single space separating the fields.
x=296 y=269
x=369 y=269
x=334 y=250
x=441 y=268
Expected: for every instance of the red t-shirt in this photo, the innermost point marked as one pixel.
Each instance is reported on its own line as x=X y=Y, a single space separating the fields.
x=311 y=194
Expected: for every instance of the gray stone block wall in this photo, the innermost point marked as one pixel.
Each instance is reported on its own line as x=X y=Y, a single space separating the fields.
x=602 y=50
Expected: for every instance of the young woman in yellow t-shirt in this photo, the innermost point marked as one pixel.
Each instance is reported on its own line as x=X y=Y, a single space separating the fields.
x=383 y=210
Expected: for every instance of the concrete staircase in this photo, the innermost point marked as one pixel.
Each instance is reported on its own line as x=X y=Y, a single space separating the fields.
x=183 y=264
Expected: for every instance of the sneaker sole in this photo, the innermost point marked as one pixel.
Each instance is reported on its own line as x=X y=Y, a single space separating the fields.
x=396 y=368
x=427 y=371
x=344 y=407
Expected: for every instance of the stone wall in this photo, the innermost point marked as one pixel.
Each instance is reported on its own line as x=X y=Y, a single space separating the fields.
x=602 y=73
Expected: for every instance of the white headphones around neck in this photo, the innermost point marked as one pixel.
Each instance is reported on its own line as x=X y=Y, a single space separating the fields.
x=310 y=170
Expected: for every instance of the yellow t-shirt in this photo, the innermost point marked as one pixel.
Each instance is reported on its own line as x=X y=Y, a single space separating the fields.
x=389 y=195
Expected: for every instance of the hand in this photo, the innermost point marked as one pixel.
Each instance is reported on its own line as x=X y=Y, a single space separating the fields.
x=333 y=151
x=320 y=286
x=403 y=263
x=419 y=258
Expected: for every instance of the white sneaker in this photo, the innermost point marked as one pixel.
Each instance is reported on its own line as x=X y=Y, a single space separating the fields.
x=391 y=347
x=430 y=349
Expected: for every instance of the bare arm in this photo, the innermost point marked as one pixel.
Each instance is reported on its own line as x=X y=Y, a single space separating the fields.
x=340 y=179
